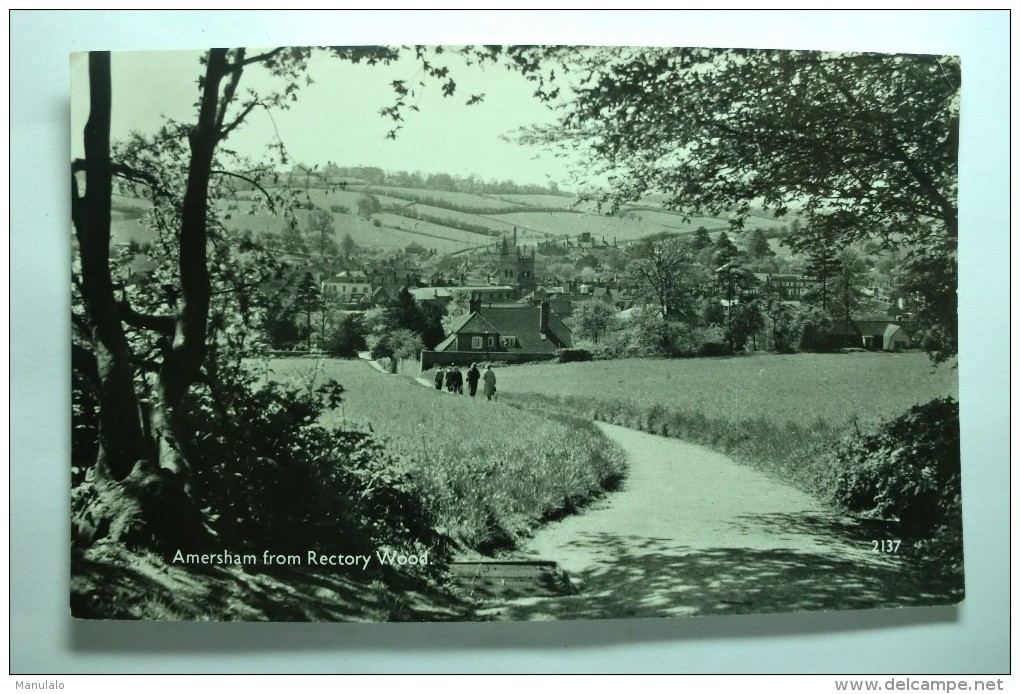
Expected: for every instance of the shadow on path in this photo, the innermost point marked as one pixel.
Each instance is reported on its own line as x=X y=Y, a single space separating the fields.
x=654 y=577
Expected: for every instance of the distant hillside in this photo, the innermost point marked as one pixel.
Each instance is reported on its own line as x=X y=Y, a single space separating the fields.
x=454 y=222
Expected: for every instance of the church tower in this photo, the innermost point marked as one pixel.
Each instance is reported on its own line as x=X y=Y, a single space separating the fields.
x=514 y=267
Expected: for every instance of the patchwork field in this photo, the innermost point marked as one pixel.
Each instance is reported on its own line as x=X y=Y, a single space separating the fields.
x=494 y=471
x=363 y=232
x=127 y=230
x=573 y=224
x=493 y=222
x=486 y=213
x=672 y=220
x=552 y=202
x=465 y=239
x=475 y=203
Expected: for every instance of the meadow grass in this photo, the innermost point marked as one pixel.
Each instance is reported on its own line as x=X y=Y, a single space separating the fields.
x=492 y=472
x=572 y=224
x=468 y=201
x=492 y=222
x=779 y=413
x=361 y=230
x=411 y=225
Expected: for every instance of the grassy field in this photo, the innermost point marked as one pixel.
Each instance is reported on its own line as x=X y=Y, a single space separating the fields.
x=573 y=224
x=493 y=471
x=552 y=202
x=324 y=198
x=777 y=412
x=127 y=230
x=493 y=222
x=475 y=203
x=671 y=220
x=465 y=239
x=363 y=232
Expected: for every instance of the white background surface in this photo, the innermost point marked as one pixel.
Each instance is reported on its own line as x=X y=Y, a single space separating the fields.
x=973 y=638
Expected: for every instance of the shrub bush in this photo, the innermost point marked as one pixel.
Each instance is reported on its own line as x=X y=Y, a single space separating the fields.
x=713 y=349
x=909 y=470
x=347 y=338
x=573 y=354
x=275 y=476
x=399 y=344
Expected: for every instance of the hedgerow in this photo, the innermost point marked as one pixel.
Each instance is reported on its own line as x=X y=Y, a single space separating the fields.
x=908 y=470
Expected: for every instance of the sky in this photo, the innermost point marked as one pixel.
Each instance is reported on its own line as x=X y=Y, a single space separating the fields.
x=336 y=119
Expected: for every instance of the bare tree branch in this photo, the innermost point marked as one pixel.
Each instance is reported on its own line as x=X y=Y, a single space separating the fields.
x=260 y=58
x=269 y=198
x=225 y=131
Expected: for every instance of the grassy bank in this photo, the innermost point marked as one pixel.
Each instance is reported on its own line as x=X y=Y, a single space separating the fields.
x=779 y=413
x=492 y=471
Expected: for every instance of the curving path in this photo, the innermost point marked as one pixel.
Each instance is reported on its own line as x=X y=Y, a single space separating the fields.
x=692 y=532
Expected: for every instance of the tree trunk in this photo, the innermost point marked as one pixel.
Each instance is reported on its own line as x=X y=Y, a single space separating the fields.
x=141 y=494
x=121 y=436
x=182 y=362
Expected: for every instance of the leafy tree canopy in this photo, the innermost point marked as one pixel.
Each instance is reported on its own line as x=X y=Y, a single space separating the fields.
x=863 y=142
x=861 y=146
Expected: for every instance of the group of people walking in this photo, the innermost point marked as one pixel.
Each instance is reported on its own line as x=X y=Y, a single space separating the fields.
x=453 y=379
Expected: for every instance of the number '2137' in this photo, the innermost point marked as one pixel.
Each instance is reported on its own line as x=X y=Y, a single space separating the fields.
x=886 y=546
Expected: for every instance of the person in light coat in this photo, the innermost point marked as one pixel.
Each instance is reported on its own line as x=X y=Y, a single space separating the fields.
x=489 y=382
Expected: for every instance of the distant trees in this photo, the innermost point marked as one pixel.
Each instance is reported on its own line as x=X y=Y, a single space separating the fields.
x=368 y=205
x=664 y=272
x=319 y=233
x=701 y=239
x=865 y=145
x=848 y=287
x=398 y=344
x=347 y=337
x=308 y=300
x=758 y=246
x=746 y=321
x=454 y=309
x=725 y=249
x=404 y=314
x=929 y=285
x=348 y=246
x=292 y=240
x=591 y=320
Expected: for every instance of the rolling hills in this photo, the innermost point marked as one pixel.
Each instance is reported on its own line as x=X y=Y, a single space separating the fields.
x=449 y=222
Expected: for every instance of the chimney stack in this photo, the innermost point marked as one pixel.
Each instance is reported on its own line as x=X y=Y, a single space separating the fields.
x=543 y=320
x=475 y=304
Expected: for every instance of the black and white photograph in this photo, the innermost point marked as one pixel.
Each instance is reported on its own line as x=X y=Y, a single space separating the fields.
x=442 y=333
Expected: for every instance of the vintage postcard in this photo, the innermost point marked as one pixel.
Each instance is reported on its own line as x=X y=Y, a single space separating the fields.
x=438 y=333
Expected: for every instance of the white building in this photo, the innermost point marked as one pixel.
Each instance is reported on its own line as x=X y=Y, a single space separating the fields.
x=349 y=286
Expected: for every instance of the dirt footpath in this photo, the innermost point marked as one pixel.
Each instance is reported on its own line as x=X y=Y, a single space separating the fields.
x=692 y=532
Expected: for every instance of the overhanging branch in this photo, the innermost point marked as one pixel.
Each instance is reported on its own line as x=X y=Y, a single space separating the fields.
x=144 y=321
x=269 y=198
x=261 y=57
x=225 y=131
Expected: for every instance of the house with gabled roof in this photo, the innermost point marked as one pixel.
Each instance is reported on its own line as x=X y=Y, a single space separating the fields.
x=872 y=332
x=507 y=329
